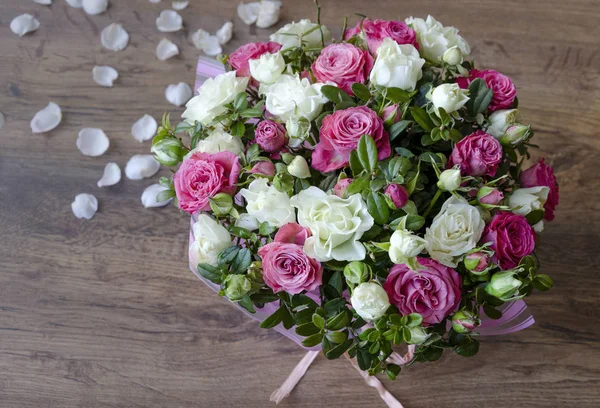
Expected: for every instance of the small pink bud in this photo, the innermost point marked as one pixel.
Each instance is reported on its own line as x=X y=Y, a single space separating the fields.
x=397 y=194
x=266 y=168
x=477 y=262
x=489 y=196
x=341 y=186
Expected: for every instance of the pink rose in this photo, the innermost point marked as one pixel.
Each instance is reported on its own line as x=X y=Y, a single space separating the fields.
x=287 y=268
x=478 y=154
x=503 y=88
x=343 y=64
x=270 y=135
x=375 y=31
x=541 y=174
x=240 y=57
x=433 y=291
x=204 y=175
x=397 y=194
x=292 y=233
x=391 y=114
x=266 y=168
x=340 y=133
x=340 y=188
x=490 y=196
x=511 y=237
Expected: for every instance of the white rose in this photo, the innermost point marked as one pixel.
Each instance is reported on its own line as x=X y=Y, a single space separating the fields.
x=247 y=221
x=434 y=39
x=450 y=180
x=267 y=204
x=500 y=121
x=298 y=130
x=370 y=300
x=525 y=200
x=268 y=68
x=453 y=56
x=291 y=96
x=298 y=167
x=397 y=66
x=454 y=231
x=210 y=238
x=220 y=141
x=404 y=245
x=212 y=97
x=449 y=97
x=336 y=224
x=291 y=35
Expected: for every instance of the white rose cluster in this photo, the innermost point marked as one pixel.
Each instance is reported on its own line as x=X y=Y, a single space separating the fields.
x=291 y=96
x=434 y=39
x=268 y=68
x=267 y=204
x=397 y=66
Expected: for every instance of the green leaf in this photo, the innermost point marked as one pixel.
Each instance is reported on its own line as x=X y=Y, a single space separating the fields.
x=392 y=371
x=212 y=273
x=363 y=358
x=415 y=319
x=247 y=304
x=355 y=164
x=338 y=321
x=397 y=128
x=318 y=321
x=361 y=91
x=264 y=297
x=313 y=340
x=274 y=319
x=242 y=261
x=491 y=312
x=240 y=232
x=404 y=152
x=414 y=222
x=337 y=337
x=251 y=113
x=358 y=185
x=542 y=282
x=307 y=329
x=266 y=229
x=241 y=101
x=335 y=94
x=480 y=97
x=227 y=255
x=337 y=281
x=397 y=95
x=164 y=182
x=221 y=204
x=367 y=152
x=467 y=349
x=238 y=129
x=535 y=216
x=422 y=118
x=338 y=350
x=378 y=208
x=165 y=195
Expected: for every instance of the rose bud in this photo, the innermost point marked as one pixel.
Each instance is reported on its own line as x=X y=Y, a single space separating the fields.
x=397 y=194
x=503 y=285
x=417 y=335
x=477 y=262
x=341 y=186
x=297 y=130
x=236 y=286
x=391 y=114
x=452 y=56
x=500 y=121
x=265 y=168
x=356 y=272
x=450 y=180
x=463 y=322
x=370 y=300
x=298 y=167
x=489 y=196
x=270 y=135
x=168 y=151
x=516 y=134
x=449 y=97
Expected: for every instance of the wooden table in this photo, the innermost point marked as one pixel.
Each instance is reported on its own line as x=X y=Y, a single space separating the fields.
x=105 y=313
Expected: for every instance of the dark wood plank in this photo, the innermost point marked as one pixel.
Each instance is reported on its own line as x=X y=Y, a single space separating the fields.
x=106 y=314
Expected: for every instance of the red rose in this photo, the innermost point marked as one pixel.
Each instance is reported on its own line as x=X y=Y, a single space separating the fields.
x=511 y=237
x=478 y=154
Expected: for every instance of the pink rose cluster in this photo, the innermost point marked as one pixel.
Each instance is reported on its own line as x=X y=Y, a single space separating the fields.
x=376 y=30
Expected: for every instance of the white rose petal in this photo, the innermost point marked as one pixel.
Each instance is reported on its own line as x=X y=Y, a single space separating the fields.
x=155 y=1
x=225 y=33
x=525 y=200
x=178 y=94
x=291 y=96
x=150 y=194
x=144 y=128
x=141 y=166
x=267 y=68
x=23 y=24
x=434 y=39
x=404 y=245
x=111 y=175
x=247 y=221
x=267 y=204
x=166 y=49
x=210 y=238
x=449 y=97
x=180 y=5
x=298 y=167
x=268 y=13
x=169 y=21
x=289 y=35
x=95 y=7
x=75 y=3
x=84 y=206
x=209 y=44
x=219 y=141
x=92 y=142
x=397 y=66
x=248 y=12
x=104 y=75
x=1 y=120
x=114 y=37
x=46 y=119
x=43 y=2
x=370 y=300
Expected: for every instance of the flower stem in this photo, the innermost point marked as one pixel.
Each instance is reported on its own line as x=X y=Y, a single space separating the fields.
x=432 y=203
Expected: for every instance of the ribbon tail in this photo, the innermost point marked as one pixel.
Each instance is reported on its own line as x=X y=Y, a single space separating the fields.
x=288 y=385
x=372 y=381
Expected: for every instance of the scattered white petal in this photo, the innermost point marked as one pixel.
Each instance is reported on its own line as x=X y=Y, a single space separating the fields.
x=43 y=2
x=23 y=24
x=150 y=194
x=180 y=5
x=169 y=21
x=209 y=44
x=84 y=206
x=166 y=49
x=1 y=120
x=75 y=3
x=141 y=166
x=268 y=14
x=104 y=75
x=95 y=7
x=144 y=129
x=114 y=37
x=155 y=1
x=178 y=94
x=111 y=175
x=224 y=34
x=248 y=13
x=92 y=142
x=46 y=119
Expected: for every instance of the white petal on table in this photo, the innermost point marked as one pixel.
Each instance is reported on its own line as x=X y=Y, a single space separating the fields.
x=75 y=3
x=84 y=206
x=248 y=12
x=23 y=24
x=225 y=33
x=92 y=142
x=209 y=44
x=150 y=194
x=169 y=21
x=43 y=2
x=111 y=175
x=166 y=49
x=46 y=119
x=104 y=75
x=95 y=7
x=114 y=37
x=178 y=94
x=268 y=13
x=141 y=166
x=144 y=128
x=180 y=5
x=155 y=1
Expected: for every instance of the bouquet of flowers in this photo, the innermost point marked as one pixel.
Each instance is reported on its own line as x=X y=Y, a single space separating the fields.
x=368 y=192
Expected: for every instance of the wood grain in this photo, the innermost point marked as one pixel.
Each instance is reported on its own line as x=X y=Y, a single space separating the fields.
x=104 y=313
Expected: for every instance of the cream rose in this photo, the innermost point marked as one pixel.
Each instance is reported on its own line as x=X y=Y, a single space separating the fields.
x=220 y=141
x=500 y=121
x=434 y=39
x=291 y=97
x=292 y=35
x=449 y=97
x=405 y=245
x=212 y=97
x=454 y=231
x=267 y=204
x=336 y=224
x=525 y=200
x=267 y=68
x=210 y=238
x=397 y=66
x=370 y=300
